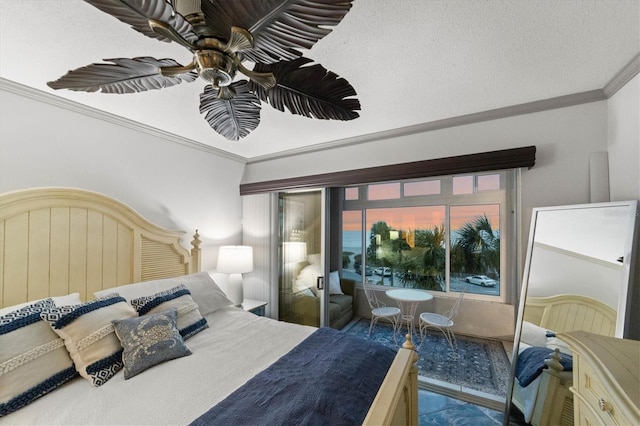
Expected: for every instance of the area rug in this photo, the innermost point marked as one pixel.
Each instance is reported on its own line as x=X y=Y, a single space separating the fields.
x=482 y=364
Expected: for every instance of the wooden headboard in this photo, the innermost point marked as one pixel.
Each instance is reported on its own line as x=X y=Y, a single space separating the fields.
x=56 y=241
x=569 y=312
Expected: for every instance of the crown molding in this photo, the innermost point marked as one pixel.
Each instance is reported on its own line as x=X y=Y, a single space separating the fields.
x=628 y=72
x=478 y=117
x=48 y=98
x=616 y=83
x=619 y=80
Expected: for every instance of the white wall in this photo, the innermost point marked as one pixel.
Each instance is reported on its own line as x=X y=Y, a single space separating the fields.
x=624 y=142
x=173 y=185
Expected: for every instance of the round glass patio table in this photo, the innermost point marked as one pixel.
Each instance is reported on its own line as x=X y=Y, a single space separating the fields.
x=408 y=300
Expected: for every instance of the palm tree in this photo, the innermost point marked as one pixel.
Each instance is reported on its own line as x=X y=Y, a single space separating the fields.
x=383 y=230
x=429 y=270
x=479 y=247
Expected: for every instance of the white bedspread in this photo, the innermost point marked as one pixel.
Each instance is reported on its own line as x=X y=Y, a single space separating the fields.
x=236 y=346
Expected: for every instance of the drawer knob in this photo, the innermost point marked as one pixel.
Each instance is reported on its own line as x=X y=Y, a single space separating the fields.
x=604 y=405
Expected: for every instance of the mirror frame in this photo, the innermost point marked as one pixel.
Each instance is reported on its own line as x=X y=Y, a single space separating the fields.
x=630 y=269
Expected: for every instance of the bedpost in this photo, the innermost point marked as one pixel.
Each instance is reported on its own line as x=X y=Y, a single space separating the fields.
x=412 y=383
x=196 y=255
x=552 y=394
x=397 y=400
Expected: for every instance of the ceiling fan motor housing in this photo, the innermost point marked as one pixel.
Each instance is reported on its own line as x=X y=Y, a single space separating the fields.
x=216 y=67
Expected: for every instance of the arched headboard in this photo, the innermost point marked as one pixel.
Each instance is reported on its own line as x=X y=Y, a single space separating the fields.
x=56 y=241
x=569 y=312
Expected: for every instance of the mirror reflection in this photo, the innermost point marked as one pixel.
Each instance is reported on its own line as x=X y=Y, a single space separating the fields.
x=577 y=277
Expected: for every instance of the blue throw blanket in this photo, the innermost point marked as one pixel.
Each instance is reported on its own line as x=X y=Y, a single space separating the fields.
x=531 y=363
x=330 y=378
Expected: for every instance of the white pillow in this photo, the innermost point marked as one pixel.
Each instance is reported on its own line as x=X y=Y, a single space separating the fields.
x=307 y=278
x=314 y=259
x=556 y=343
x=204 y=290
x=69 y=299
x=533 y=335
x=334 y=283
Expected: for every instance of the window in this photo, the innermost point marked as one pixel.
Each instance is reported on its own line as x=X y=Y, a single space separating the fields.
x=352 y=193
x=384 y=191
x=423 y=187
x=440 y=235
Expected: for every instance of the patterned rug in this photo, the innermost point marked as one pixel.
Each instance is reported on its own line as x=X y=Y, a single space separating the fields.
x=482 y=364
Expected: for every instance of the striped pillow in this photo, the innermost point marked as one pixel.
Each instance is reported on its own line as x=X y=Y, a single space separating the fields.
x=33 y=359
x=89 y=335
x=190 y=322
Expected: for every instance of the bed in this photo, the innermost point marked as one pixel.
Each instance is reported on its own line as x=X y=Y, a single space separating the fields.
x=547 y=399
x=77 y=246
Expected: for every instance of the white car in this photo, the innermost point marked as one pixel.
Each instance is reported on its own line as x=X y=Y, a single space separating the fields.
x=481 y=280
x=385 y=272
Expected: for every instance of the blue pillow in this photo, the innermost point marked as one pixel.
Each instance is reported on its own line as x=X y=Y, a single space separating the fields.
x=149 y=340
x=89 y=336
x=190 y=322
x=33 y=359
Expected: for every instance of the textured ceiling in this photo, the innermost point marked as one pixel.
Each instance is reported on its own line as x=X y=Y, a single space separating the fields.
x=410 y=61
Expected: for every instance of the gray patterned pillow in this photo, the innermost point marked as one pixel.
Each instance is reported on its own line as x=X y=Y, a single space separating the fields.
x=149 y=340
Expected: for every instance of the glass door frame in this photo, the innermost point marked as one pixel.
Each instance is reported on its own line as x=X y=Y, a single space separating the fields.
x=303 y=227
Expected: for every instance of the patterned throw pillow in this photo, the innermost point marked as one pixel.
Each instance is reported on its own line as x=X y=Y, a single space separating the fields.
x=89 y=336
x=33 y=359
x=149 y=340
x=190 y=322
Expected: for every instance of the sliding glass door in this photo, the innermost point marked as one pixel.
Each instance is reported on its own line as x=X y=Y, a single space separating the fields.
x=302 y=225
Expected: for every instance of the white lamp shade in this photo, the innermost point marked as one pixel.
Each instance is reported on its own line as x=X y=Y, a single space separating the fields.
x=235 y=259
x=294 y=252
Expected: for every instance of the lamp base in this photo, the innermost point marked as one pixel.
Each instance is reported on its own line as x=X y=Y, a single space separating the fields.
x=235 y=291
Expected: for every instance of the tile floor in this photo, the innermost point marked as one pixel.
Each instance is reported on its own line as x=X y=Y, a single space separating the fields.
x=436 y=409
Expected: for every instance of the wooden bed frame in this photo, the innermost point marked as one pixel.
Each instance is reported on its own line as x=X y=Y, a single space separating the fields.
x=57 y=241
x=561 y=313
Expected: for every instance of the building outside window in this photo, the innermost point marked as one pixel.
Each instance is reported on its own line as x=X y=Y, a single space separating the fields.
x=439 y=234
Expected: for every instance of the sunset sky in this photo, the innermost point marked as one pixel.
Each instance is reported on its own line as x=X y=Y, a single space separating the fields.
x=413 y=218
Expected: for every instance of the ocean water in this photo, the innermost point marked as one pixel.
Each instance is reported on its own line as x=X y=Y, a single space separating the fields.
x=351 y=240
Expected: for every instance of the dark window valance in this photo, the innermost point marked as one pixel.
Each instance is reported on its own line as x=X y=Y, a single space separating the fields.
x=470 y=163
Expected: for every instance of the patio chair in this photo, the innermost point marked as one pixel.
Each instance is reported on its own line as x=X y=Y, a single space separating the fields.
x=381 y=311
x=444 y=323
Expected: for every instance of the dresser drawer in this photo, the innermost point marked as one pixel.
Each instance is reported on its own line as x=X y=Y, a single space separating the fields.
x=592 y=390
x=585 y=416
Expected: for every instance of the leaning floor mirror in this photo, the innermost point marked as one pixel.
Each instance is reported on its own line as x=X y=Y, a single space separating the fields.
x=579 y=274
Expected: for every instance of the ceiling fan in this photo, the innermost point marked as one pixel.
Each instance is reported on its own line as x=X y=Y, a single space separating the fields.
x=223 y=35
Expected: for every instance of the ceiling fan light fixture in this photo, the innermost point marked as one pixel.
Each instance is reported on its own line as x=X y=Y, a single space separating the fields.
x=216 y=67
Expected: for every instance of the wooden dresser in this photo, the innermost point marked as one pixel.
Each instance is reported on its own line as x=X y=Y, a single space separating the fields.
x=606 y=379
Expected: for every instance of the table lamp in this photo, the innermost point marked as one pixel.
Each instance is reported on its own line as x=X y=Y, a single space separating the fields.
x=235 y=260
x=294 y=252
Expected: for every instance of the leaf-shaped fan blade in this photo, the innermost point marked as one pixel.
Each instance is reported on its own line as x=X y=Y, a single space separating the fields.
x=232 y=118
x=279 y=27
x=124 y=75
x=311 y=91
x=138 y=12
